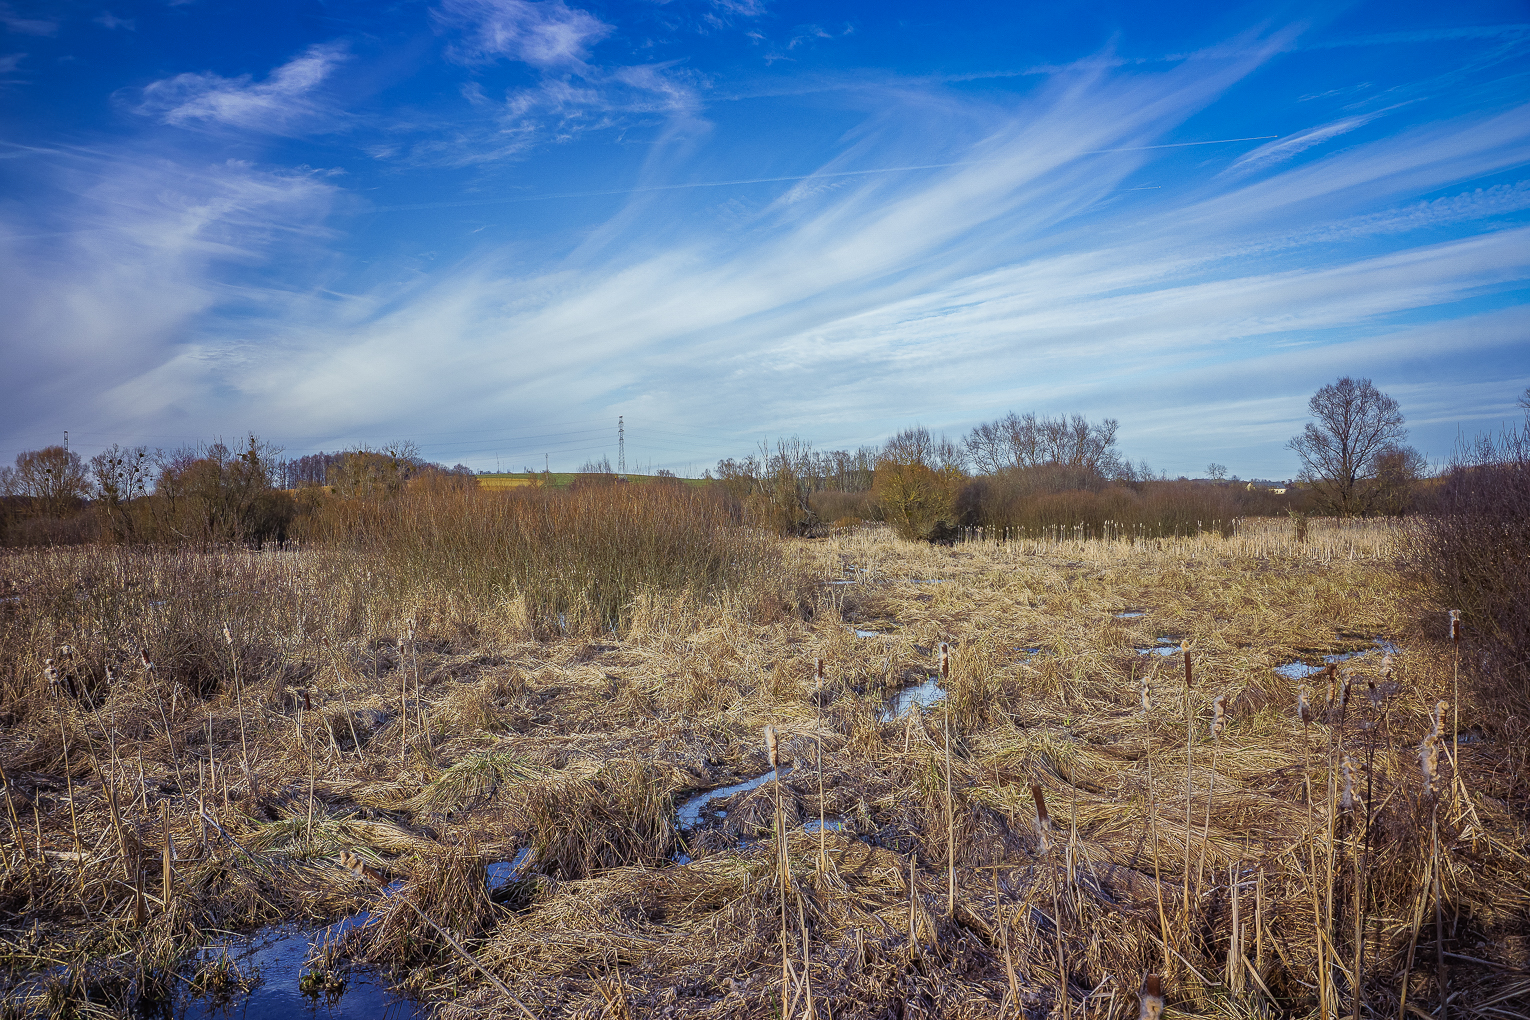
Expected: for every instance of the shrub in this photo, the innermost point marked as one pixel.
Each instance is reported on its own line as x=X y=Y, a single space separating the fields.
x=918 y=501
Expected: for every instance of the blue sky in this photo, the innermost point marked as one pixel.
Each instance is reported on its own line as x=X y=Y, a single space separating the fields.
x=493 y=226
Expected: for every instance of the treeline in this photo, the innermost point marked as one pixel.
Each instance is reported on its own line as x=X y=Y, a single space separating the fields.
x=207 y=495
x=1027 y=474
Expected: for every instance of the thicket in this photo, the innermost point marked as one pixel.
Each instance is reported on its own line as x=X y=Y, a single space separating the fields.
x=1471 y=548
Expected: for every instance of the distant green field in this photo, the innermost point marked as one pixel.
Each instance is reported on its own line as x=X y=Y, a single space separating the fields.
x=561 y=479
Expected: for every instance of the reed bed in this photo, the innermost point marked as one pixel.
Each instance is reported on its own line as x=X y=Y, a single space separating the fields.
x=1044 y=841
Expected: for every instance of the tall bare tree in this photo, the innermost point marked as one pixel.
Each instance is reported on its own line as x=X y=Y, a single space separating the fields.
x=53 y=477
x=1354 y=424
x=1016 y=441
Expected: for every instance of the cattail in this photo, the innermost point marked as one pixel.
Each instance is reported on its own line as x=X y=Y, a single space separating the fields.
x=1347 y=800
x=1147 y=702
x=818 y=670
x=945 y=660
x=1303 y=709
x=1189 y=676
x=1152 y=999
x=770 y=746
x=360 y=868
x=143 y=656
x=64 y=651
x=1455 y=625
x=1344 y=690
x=1043 y=820
x=227 y=637
x=1330 y=672
x=1429 y=761
x=1437 y=718
x=1218 y=716
x=1386 y=666
x=51 y=675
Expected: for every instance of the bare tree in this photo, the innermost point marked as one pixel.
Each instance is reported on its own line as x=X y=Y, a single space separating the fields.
x=1216 y=472
x=120 y=476
x=1016 y=441
x=53 y=477
x=1355 y=422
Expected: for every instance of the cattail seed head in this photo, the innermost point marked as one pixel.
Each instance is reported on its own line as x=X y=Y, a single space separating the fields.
x=1344 y=685
x=143 y=656
x=1147 y=701
x=1043 y=820
x=1189 y=675
x=1347 y=800
x=1152 y=999
x=1437 y=719
x=945 y=659
x=64 y=651
x=227 y=637
x=818 y=669
x=1218 y=716
x=770 y=746
x=1455 y=625
x=1429 y=761
x=1303 y=709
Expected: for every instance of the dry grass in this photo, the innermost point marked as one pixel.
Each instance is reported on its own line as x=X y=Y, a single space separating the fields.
x=580 y=749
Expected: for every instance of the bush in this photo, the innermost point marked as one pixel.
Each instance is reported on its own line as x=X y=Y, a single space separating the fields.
x=1472 y=551
x=918 y=501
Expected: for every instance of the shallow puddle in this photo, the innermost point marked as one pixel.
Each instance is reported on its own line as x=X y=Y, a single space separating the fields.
x=279 y=955
x=920 y=696
x=688 y=815
x=1165 y=650
x=867 y=633
x=1299 y=670
x=501 y=873
x=1130 y=614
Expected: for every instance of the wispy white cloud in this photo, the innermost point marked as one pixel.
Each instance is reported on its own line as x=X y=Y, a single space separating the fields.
x=106 y=19
x=286 y=102
x=26 y=25
x=546 y=34
x=109 y=282
x=572 y=94
x=1292 y=145
x=10 y=62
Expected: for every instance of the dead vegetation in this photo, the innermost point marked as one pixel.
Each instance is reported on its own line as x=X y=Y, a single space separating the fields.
x=1038 y=843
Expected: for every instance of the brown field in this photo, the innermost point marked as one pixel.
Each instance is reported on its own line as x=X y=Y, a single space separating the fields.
x=354 y=729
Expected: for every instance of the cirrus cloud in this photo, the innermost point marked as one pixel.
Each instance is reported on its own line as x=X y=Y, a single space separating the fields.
x=545 y=34
x=285 y=103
